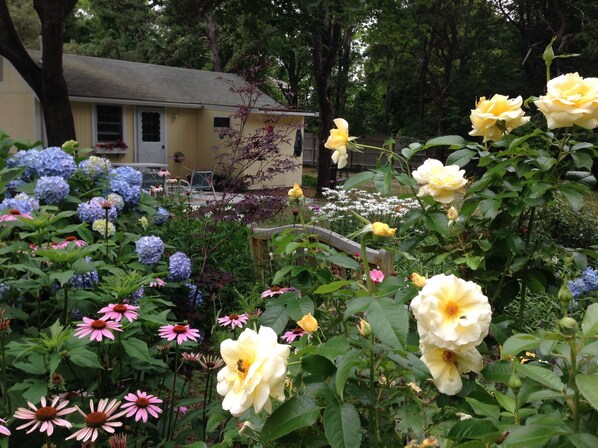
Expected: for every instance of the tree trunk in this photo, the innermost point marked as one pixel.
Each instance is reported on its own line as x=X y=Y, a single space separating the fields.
x=47 y=81
x=213 y=42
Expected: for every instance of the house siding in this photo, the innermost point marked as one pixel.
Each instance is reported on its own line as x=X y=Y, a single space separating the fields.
x=17 y=109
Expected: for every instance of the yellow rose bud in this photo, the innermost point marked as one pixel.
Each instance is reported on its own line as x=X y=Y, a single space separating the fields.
x=364 y=328
x=418 y=280
x=382 y=229
x=308 y=323
x=296 y=192
x=452 y=214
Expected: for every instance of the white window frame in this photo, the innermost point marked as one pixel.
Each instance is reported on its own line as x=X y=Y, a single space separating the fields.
x=94 y=123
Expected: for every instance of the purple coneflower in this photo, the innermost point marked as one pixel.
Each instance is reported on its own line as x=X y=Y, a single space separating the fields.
x=44 y=417
x=116 y=311
x=103 y=418
x=98 y=328
x=179 y=332
x=290 y=336
x=234 y=320
x=141 y=405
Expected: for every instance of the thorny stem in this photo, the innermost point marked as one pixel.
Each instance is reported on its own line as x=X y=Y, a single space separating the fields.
x=573 y=384
x=372 y=418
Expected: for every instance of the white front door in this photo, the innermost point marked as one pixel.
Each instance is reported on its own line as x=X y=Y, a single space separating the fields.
x=150 y=135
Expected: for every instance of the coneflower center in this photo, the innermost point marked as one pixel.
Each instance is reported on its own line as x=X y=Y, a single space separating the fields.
x=298 y=330
x=275 y=288
x=179 y=329
x=142 y=402
x=46 y=413
x=234 y=316
x=71 y=238
x=449 y=357
x=98 y=324
x=96 y=419
x=15 y=212
x=120 y=308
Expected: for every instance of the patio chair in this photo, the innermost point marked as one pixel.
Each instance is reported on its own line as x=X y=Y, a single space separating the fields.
x=202 y=181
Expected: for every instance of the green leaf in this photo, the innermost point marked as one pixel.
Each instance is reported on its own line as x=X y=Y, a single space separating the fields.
x=460 y=157
x=412 y=149
x=82 y=357
x=389 y=321
x=334 y=347
x=472 y=429
x=519 y=342
x=537 y=189
x=437 y=222
x=541 y=375
x=136 y=348
x=331 y=287
x=281 y=273
x=317 y=366
x=573 y=197
x=292 y=247
x=589 y=325
x=446 y=140
x=343 y=261
x=344 y=367
x=583 y=440
x=505 y=401
x=275 y=317
x=545 y=162
x=358 y=179
x=358 y=305
x=588 y=386
x=342 y=425
x=582 y=160
x=383 y=182
x=405 y=179
x=484 y=409
x=299 y=412
x=299 y=307
x=489 y=208
x=531 y=436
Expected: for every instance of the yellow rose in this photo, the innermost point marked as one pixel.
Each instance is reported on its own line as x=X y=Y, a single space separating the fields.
x=570 y=99
x=418 y=280
x=296 y=192
x=308 y=323
x=382 y=229
x=497 y=116
x=338 y=141
x=255 y=371
x=439 y=181
x=452 y=214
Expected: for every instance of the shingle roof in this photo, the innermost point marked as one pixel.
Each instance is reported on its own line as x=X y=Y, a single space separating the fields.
x=91 y=77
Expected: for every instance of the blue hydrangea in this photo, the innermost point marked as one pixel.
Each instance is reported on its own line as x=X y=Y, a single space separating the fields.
x=588 y=282
x=95 y=167
x=93 y=210
x=130 y=193
x=179 y=267
x=21 y=202
x=195 y=295
x=137 y=295
x=12 y=187
x=30 y=159
x=117 y=199
x=52 y=189
x=54 y=161
x=161 y=217
x=130 y=175
x=88 y=280
x=149 y=249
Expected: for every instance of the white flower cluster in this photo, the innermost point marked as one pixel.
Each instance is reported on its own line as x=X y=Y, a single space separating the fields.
x=341 y=204
x=453 y=317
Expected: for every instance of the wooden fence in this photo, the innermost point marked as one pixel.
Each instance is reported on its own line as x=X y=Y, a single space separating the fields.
x=365 y=159
x=260 y=238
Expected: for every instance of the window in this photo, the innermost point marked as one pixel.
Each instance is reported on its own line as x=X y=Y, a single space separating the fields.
x=109 y=123
x=222 y=122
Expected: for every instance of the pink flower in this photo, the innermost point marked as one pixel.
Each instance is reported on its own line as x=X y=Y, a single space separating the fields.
x=162 y=172
x=290 y=336
x=14 y=215
x=191 y=357
x=141 y=405
x=274 y=291
x=181 y=410
x=98 y=328
x=234 y=320
x=157 y=283
x=156 y=189
x=69 y=239
x=376 y=275
x=44 y=417
x=117 y=310
x=179 y=332
x=3 y=429
x=103 y=418
x=118 y=441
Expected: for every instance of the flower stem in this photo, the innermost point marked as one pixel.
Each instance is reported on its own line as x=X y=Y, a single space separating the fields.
x=173 y=394
x=573 y=384
x=204 y=422
x=366 y=265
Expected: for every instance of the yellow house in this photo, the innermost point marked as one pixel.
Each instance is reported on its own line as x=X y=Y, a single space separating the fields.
x=144 y=113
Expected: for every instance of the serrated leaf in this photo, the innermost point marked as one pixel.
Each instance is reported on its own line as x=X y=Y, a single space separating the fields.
x=589 y=325
x=318 y=366
x=484 y=409
x=410 y=150
x=342 y=425
x=275 y=317
x=437 y=222
x=588 y=386
x=82 y=357
x=136 y=348
x=299 y=412
x=531 y=436
x=573 y=197
x=344 y=367
x=472 y=429
x=460 y=157
x=333 y=347
x=505 y=401
x=541 y=375
x=582 y=160
x=331 y=287
x=343 y=261
x=358 y=305
x=583 y=440
x=519 y=342
x=389 y=322
x=280 y=274
x=446 y=140
x=299 y=307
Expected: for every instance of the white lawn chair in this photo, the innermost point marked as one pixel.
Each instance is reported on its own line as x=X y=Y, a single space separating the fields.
x=202 y=181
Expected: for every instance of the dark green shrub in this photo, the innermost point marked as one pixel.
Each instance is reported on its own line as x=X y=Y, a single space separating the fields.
x=571 y=228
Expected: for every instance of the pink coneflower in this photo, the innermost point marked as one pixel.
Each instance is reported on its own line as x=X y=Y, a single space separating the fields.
x=98 y=328
x=290 y=336
x=274 y=291
x=118 y=441
x=44 y=417
x=157 y=283
x=156 y=189
x=234 y=320
x=96 y=420
x=13 y=215
x=211 y=362
x=141 y=405
x=3 y=429
x=179 y=332
x=69 y=239
x=117 y=310
x=376 y=275
x=191 y=357
x=162 y=172
x=181 y=410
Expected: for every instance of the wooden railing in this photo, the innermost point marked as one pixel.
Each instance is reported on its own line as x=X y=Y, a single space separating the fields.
x=259 y=239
